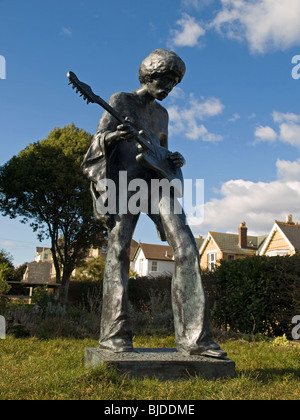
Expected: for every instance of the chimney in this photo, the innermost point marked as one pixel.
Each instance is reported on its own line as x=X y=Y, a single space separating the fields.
x=289 y=219
x=243 y=235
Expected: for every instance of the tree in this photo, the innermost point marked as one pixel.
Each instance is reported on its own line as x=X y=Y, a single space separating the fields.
x=6 y=258
x=5 y=271
x=92 y=269
x=44 y=185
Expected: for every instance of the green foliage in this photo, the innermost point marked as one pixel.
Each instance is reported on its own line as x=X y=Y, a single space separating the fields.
x=41 y=296
x=5 y=273
x=6 y=266
x=44 y=185
x=53 y=369
x=281 y=341
x=91 y=270
x=256 y=294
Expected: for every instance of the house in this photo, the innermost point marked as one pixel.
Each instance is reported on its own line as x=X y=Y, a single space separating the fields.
x=40 y=272
x=152 y=260
x=228 y=246
x=284 y=239
x=42 y=254
x=37 y=273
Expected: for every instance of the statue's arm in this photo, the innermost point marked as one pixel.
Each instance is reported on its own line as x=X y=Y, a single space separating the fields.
x=110 y=129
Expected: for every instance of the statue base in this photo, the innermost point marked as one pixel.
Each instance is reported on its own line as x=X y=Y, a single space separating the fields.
x=161 y=363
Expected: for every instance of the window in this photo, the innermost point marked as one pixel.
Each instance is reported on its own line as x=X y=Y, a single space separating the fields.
x=154 y=266
x=211 y=261
x=230 y=257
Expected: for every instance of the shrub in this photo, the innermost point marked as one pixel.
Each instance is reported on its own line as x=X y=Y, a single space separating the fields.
x=257 y=294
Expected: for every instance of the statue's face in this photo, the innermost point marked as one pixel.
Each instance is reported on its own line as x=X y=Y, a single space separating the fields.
x=160 y=87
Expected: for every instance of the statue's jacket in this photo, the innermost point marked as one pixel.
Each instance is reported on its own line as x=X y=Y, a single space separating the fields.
x=101 y=163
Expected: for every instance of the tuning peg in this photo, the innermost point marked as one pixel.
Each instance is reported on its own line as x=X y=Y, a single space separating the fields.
x=73 y=87
x=70 y=82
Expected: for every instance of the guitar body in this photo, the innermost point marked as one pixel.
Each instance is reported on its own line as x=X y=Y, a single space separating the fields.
x=161 y=163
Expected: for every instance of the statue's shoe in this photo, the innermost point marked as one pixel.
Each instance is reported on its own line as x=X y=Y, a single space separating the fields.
x=117 y=345
x=205 y=348
x=217 y=353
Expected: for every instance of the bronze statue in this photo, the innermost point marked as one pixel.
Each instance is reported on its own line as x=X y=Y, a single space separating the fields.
x=129 y=139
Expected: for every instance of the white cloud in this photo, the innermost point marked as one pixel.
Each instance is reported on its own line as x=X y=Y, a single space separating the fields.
x=280 y=117
x=234 y=118
x=66 y=31
x=264 y=24
x=288 y=129
x=287 y=170
x=290 y=133
x=189 y=33
x=257 y=203
x=7 y=244
x=196 y=4
x=265 y=134
x=191 y=3
x=187 y=120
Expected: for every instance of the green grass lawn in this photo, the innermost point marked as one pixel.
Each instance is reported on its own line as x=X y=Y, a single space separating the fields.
x=34 y=369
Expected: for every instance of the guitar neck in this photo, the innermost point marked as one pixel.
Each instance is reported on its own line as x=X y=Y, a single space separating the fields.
x=143 y=142
x=110 y=110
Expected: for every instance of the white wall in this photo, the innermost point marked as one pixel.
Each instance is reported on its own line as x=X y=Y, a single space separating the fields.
x=163 y=267
x=143 y=267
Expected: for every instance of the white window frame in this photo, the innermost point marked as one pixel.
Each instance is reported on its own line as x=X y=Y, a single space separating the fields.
x=211 y=262
x=154 y=263
x=278 y=253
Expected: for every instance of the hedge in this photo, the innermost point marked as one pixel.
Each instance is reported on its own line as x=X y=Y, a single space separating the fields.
x=256 y=294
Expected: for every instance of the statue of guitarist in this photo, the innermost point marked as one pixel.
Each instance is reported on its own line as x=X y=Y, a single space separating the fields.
x=113 y=150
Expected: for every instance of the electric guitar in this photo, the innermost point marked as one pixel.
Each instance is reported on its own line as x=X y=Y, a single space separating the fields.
x=155 y=157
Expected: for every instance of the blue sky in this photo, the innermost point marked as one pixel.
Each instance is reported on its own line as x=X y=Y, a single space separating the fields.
x=235 y=117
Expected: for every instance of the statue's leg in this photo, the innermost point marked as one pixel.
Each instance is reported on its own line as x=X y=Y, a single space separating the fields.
x=115 y=331
x=190 y=307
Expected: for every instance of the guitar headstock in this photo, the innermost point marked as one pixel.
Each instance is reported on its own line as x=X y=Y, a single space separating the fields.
x=85 y=90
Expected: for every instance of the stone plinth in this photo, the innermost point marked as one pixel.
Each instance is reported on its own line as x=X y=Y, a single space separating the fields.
x=162 y=363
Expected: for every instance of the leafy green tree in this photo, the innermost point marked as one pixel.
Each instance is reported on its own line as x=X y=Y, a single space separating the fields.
x=44 y=186
x=92 y=270
x=6 y=270
x=5 y=257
